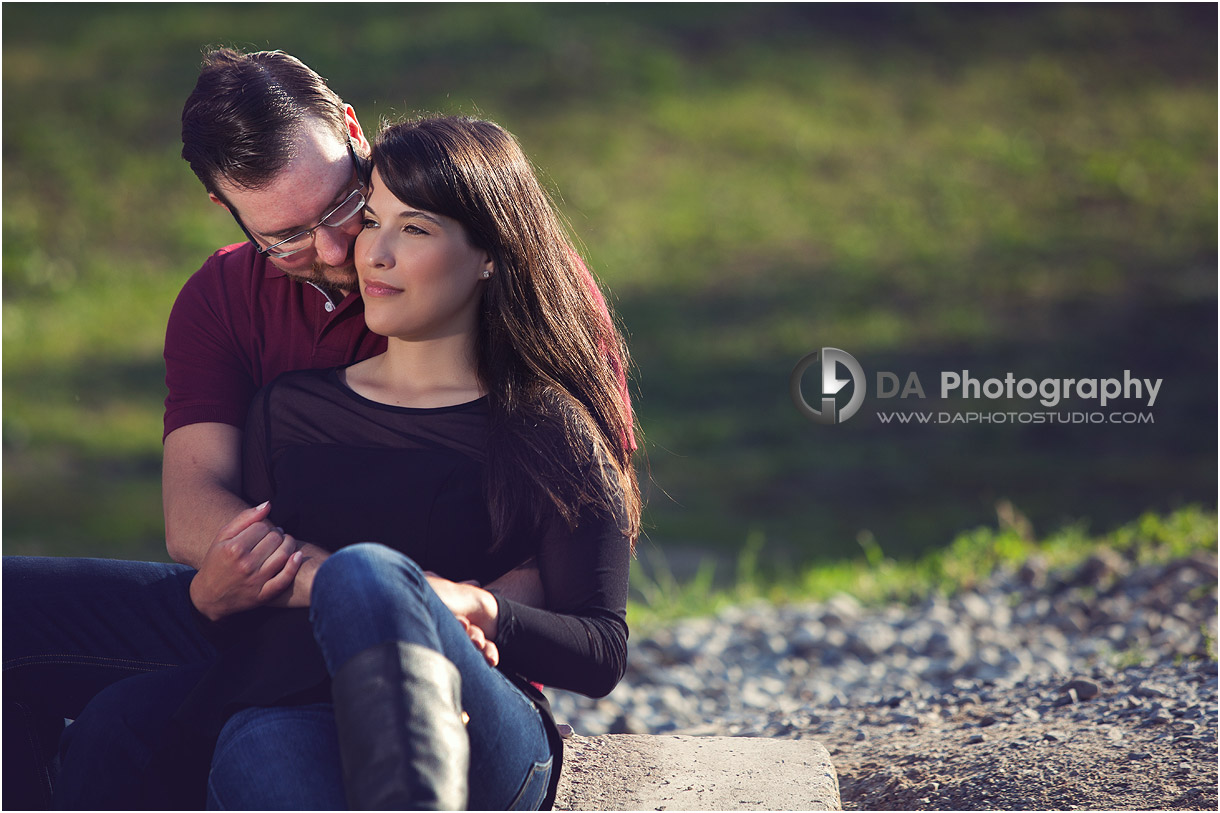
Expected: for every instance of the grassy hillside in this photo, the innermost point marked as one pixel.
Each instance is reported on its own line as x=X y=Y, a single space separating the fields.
x=1027 y=189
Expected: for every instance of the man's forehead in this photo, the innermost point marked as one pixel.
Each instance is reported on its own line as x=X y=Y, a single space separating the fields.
x=313 y=181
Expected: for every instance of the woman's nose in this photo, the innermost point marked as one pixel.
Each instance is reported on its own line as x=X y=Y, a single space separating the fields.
x=370 y=252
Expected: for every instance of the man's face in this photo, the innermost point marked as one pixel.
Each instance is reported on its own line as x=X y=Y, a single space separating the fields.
x=316 y=180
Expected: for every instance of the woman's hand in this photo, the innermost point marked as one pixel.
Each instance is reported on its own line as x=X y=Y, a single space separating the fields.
x=491 y=653
x=249 y=563
x=472 y=605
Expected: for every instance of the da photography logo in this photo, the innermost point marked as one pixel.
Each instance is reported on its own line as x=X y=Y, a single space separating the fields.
x=831 y=358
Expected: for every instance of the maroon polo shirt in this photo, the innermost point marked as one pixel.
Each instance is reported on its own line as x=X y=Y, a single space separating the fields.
x=238 y=323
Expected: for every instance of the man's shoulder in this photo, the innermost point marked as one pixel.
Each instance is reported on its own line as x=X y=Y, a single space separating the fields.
x=235 y=263
x=234 y=278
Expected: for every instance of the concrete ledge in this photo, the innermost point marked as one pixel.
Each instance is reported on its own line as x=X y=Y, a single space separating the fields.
x=667 y=772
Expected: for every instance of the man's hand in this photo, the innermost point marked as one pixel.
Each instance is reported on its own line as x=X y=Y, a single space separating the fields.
x=249 y=563
x=471 y=604
x=491 y=653
x=299 y=592
x=476 y=608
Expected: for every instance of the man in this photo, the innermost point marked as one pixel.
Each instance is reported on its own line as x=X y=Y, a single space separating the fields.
x=279 y=150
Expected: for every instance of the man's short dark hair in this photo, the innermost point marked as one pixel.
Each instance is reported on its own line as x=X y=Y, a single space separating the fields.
x=240 y=122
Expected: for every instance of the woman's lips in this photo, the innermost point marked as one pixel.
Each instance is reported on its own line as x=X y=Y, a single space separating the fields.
x=376 y=287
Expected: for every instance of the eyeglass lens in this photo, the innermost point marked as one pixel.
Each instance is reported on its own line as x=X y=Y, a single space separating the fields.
x=337 y=217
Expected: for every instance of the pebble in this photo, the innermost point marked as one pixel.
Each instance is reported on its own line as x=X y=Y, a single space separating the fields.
x=1083 y=689
x=1027 y=645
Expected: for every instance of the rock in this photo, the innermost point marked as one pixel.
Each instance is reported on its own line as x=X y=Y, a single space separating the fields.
x=1150 y=689
x=1084 y=689
x=628 y=724
x=1066 y=699
x=1033 y=572
x=1102 y=565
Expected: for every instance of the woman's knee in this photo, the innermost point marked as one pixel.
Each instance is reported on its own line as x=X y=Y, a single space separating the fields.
x=367 y=580
x=364 y=567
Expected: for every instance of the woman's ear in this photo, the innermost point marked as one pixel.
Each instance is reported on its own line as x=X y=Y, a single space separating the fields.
x=213 y=197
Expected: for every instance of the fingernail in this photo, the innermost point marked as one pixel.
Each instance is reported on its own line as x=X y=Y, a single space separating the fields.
x=264 y=505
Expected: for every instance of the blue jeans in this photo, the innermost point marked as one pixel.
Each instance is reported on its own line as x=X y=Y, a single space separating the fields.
x=364 y=595
x=72 y=627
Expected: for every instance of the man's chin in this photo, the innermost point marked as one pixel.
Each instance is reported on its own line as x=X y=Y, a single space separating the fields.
x=330 y=278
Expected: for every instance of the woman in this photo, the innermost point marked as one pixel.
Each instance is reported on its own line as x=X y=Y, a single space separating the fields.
x=490 y=432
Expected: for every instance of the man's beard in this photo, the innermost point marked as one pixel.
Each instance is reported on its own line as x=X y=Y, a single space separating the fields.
x=335 y=281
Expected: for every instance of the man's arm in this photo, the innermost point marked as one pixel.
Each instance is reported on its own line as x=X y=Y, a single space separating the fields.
x=200 y=481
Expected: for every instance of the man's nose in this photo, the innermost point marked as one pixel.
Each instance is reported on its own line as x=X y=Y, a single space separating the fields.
x=333 y=244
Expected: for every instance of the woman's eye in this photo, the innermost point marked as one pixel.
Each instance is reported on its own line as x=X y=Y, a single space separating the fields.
x=411 y=228
x=367 y=223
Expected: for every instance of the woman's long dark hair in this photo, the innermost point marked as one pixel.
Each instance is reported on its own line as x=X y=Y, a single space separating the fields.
x=562 y=431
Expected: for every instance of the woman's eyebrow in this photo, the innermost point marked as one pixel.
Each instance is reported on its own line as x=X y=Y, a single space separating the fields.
x=408 y=213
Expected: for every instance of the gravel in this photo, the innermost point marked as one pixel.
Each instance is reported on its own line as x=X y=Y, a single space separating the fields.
x=1089 y=688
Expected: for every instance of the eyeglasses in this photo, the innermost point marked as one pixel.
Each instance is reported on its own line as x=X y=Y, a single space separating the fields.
x=351 y=206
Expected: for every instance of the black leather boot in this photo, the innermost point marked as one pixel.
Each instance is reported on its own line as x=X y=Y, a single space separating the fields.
x=401 y=738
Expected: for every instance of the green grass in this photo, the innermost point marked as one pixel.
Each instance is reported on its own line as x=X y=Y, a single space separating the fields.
x=874 y=578
x=1028 y=189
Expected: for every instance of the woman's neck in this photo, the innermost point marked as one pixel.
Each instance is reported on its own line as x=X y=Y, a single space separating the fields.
x=433 y=373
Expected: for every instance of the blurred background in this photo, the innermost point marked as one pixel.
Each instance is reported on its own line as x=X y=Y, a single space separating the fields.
x=1028 y=189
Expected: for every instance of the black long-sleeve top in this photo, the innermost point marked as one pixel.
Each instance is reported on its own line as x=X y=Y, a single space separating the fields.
x=341 y=469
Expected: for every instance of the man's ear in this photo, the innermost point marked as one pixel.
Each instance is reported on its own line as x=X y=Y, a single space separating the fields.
x=355 y=132
x=212 y=197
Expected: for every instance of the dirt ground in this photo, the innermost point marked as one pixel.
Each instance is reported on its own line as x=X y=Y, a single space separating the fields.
x=1064 y=761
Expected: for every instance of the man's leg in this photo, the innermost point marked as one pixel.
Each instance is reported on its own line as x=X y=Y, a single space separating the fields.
x=125 y=752
x=72 y=627
x=280 y=758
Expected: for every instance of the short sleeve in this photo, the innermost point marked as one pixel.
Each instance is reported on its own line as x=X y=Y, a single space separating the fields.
x=209 y=377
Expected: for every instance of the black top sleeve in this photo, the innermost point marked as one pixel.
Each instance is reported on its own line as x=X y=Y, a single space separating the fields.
x=257 y=483
x=579 y=642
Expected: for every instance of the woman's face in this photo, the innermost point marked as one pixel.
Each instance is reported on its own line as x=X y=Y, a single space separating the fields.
x=419 y=275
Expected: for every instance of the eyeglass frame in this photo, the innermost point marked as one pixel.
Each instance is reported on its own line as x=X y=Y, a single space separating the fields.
x=359 y=190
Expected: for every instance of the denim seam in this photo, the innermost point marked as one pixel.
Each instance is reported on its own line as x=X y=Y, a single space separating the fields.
x=44 y=770
x=530 y=781
x=84 y=660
